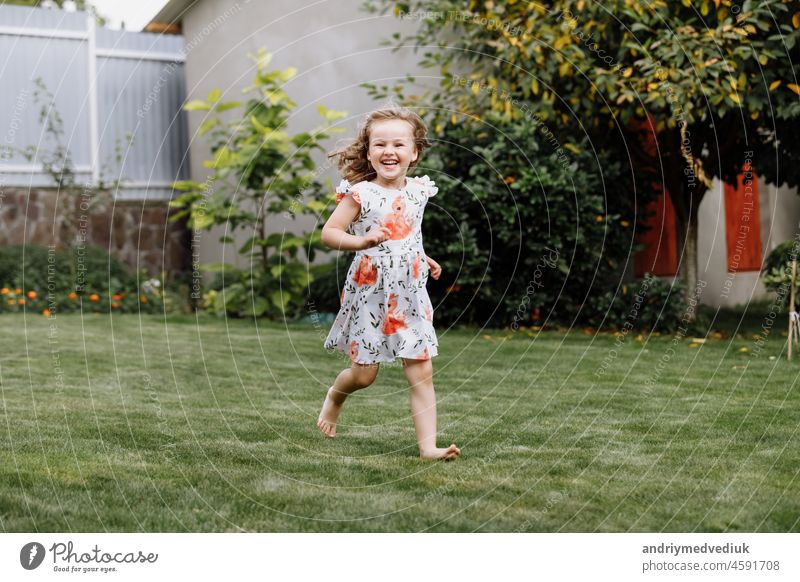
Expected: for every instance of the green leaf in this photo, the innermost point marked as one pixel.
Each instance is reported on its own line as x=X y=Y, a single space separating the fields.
x=232 y=296
x=207 y=125
x=273 y=240
x=288 y=74
x=214 y=95
x=331 y=115
x=222 y=157
x=279 y=299
x=262 y=58
x=249 y=244
x=197 y=105
x=187 y=185
x=201 y=220
x=218 y=268
x=261 y=128
x=228 y=105
x=256 y=307
x=292 y=242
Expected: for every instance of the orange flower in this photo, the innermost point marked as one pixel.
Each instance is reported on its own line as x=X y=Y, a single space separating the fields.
x=510 y=179
x=10 y=301
x=73 y=296
x=4 y=291
x=367 y=273
x=114 y=304
x=116 y=297
x=18 y=291
x=21 y=301
x=599 y=218
x=353 y=350
x=32 y=294
x=94 y=297
x=46 y=313
x=142 y=298
x=394 y=321
x=398 y=224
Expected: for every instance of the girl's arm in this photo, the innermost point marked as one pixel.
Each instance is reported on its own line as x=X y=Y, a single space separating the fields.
x=435 y=268
x=335 y=237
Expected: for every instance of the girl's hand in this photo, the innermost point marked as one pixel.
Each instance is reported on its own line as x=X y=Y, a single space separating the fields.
x=435 y=268
x=375 y=237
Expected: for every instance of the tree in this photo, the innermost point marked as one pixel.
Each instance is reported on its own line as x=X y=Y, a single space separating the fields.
x=715 y=78
x=259 y=171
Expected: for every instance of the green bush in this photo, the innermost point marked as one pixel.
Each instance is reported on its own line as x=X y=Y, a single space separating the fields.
x=522 y=224
x=39 y=279
x=259 y=171
x=650 y=304
x=35 y=267
x=324 y=292
x=777 y=272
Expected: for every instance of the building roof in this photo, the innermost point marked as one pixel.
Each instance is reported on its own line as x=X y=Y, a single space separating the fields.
x=173 y=11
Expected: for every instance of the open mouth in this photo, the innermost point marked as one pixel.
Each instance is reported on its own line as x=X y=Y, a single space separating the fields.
x=389 y=163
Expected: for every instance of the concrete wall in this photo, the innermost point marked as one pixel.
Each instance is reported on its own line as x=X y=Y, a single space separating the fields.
x=137 y=233
x=334 y=46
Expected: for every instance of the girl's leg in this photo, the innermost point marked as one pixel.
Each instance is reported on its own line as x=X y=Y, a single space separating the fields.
x=419 y=374
x=348 y=381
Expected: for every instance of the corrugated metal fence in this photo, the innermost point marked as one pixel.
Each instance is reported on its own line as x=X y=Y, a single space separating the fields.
x=107 y=85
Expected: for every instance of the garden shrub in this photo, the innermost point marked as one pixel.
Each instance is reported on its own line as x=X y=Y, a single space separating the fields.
x=523 y=227
x=325 y=290
x=777 y=272
x=260 y=171
x=43 y=280
x=648 y=304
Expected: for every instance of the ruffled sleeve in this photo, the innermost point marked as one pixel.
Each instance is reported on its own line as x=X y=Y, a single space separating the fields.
x=427 y=186
x=343 y=189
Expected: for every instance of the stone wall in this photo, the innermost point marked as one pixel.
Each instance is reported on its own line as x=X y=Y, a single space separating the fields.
x=137 y=233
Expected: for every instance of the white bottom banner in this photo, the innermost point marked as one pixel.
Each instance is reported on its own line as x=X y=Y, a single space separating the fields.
x=381 y=557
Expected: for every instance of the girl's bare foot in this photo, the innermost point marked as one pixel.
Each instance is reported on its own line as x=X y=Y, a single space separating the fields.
x=328 y=415
x=447 y=454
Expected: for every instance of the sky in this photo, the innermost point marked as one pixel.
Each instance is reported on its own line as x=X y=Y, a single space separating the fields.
x=135 y=14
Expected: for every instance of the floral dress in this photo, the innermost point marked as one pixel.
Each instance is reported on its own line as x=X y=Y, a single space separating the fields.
x=385 y=311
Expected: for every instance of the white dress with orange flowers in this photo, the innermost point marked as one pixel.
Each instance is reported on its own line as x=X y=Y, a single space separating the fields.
x=386 y=312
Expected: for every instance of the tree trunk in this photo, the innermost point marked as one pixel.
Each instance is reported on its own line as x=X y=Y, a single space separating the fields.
x=687 y=206
x=688 y=264
x=686 y=200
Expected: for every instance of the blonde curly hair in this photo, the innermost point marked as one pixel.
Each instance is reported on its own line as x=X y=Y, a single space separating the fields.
x=352 y=158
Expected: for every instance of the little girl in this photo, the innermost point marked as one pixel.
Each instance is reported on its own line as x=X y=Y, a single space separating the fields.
x=385 y=312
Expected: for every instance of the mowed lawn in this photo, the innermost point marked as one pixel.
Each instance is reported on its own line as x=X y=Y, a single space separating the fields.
x=181 y=424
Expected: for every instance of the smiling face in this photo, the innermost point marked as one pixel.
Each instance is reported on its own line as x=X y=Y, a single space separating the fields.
x=391 y=149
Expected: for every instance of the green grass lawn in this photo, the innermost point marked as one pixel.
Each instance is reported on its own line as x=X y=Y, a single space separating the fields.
x=147 y=424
